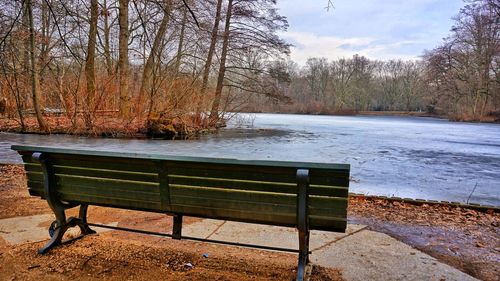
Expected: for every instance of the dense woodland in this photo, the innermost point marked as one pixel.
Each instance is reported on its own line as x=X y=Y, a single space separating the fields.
x=161 y=66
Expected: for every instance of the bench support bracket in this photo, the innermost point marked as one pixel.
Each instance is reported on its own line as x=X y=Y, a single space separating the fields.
x=303 y=222
x=61 y=224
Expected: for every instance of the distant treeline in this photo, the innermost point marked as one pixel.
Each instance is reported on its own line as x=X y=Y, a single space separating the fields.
x=459 y=79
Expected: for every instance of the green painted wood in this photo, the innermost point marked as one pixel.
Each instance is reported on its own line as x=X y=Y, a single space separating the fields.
x=333 y=191
x=250 y=191
x=164 y=185
x=337 y=181
x=94 y=163
x=35 y=185
x=112 y=202
x=108 y=192
x=265 y=186
x=290 y=188
x=303 y=165
x=327 y=223
x=328 y=212
x=34 y=176
x=66 y=180
x=233 y=195
x=316 y=222
x=232 y=174
x=249 y=206
x=32 y=167
x=236 y=214
x=328 y=202
x=106 y=174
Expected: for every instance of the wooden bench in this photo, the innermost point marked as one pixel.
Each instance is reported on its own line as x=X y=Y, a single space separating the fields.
x=305 y=196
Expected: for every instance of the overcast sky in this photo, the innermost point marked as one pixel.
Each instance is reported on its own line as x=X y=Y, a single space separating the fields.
x=377 y=29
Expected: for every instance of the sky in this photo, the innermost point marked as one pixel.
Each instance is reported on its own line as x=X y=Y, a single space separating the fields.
x=377 y=29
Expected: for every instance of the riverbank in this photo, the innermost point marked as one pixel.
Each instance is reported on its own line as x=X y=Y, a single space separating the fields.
x=186 y=127
x=463 y=238
x=113 y=127
x=493 y=117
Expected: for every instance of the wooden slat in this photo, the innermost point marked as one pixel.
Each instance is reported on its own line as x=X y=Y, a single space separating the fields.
x=118 y=194
x=34 y=176
x=232 y=174
x=231 y=194
x=236 y=215
x=249 y=206
x=63 y=180
x=234 y=184
x=106 y=174
x=185 y=159
x=333 y=191
x=327 y=202
x=112 y=202
x=319 y=172
x=334 y=180
x=100 y=163
x=35 y=185
x=327 y=223
x=290 y=188
x=328 y=212
x=32 y=167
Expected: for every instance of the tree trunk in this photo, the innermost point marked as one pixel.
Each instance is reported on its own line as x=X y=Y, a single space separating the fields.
x=35 y=83
x=181 y=42
x=90 y=65
x=26 y=57
x=123 y=63
x=155 y=51
x=214 y=112
x=107 y=52
x=208 y=63
x=44 y=44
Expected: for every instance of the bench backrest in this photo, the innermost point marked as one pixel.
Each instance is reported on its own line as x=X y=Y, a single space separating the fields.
x=249 y=191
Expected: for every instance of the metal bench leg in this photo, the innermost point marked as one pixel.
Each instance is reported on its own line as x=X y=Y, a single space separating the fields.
x=303 y=222
x=60 y=225
x=177 y=228
x=82 y=220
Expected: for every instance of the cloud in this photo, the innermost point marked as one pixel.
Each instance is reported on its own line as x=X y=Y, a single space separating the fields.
x=308 y=44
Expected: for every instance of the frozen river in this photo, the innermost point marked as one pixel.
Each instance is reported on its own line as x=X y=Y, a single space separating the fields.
x=393 y=156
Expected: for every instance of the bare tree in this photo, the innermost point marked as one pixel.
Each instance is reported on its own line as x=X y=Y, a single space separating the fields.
x=123 y=62
x=90 y=63
x=35 y=82
x=214 y=112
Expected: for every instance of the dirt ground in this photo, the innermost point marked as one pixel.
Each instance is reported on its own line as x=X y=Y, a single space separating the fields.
x=463 y=238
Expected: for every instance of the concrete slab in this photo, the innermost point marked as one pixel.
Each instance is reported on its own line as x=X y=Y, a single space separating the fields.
x=261 y=234
x=361 y=254
x=370 y=255
x=21 y=230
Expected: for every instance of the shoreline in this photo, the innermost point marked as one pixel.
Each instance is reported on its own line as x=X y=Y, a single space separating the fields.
x=134 y=130
x=385 y=114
